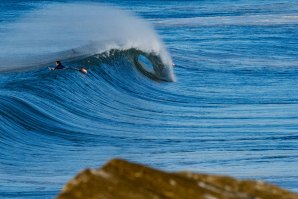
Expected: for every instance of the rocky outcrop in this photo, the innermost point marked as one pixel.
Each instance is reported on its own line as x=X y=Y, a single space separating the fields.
x=120 y=179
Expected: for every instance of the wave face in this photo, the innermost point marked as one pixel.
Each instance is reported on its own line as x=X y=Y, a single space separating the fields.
x=232 y=110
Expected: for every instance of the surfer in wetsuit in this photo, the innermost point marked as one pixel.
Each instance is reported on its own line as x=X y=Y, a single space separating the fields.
x=58 y=66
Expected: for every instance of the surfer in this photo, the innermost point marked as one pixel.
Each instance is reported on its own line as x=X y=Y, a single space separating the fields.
x=58 y=66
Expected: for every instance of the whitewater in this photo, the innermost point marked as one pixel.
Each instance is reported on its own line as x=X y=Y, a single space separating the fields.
x=177 y=85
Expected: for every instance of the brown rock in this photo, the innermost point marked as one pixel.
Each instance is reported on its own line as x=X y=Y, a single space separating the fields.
x=120 y=179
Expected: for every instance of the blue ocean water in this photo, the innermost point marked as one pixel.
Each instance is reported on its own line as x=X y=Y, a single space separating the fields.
x=229 y=105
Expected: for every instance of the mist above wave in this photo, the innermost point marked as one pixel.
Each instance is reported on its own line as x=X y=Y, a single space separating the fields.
x=73 y=30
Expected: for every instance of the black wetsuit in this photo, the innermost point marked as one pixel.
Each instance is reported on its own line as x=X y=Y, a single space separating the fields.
x=59 y=67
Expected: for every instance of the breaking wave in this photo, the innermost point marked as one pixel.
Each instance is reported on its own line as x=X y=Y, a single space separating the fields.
x=74 y=32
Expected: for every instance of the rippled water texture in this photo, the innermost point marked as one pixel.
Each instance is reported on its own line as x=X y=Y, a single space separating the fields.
x=232 y=110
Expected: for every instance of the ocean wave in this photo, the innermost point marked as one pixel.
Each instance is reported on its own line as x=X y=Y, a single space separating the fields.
x=244 y=20
x=52 y=102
